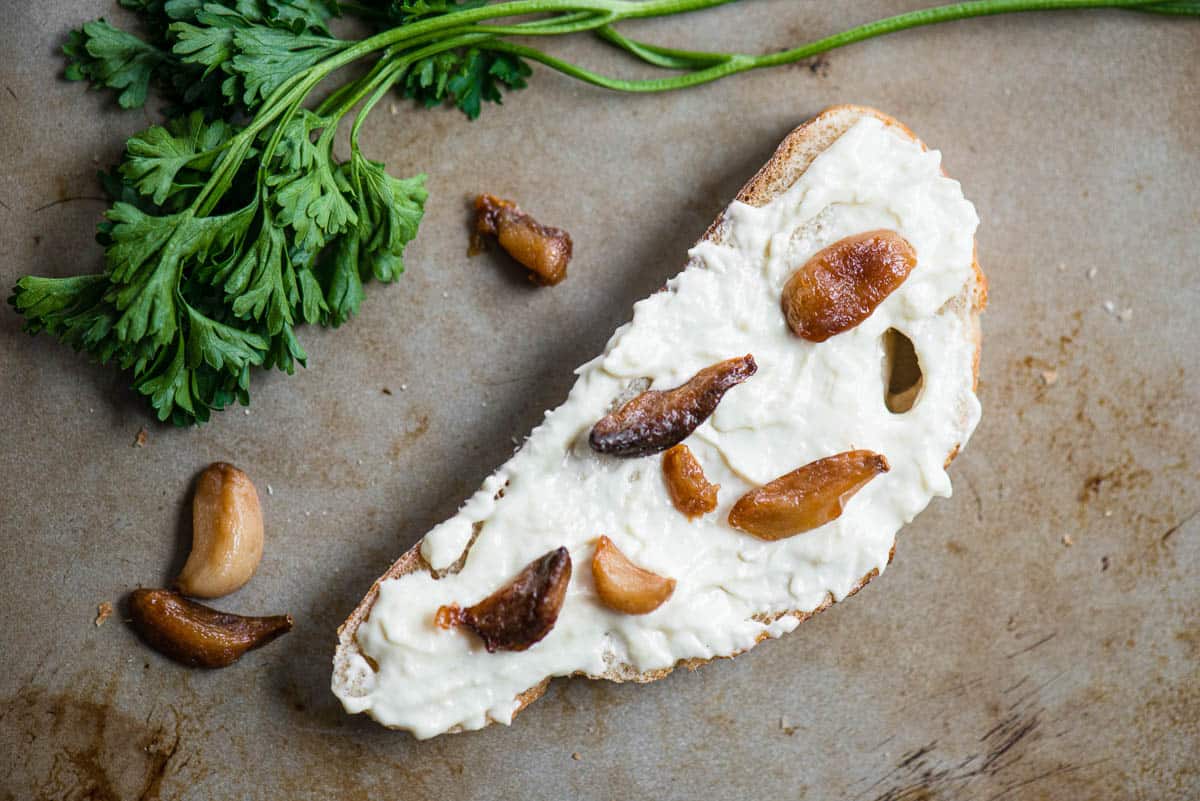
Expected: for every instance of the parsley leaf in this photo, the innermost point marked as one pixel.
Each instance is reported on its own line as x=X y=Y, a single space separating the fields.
x=110 y=58
x=156 y=156
x=389 y=211
x=266 y=57
x=308 y=195
x=340 y=280
x=467 y=78
x=222 y=347
x=262 y=284
x=168 y=383
x=190 y=52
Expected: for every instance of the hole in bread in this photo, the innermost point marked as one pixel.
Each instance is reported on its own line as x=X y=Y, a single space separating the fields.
x=461 y=561
x=902 y=377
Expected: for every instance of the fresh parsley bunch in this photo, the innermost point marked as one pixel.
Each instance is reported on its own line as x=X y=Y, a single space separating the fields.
x=233 y=222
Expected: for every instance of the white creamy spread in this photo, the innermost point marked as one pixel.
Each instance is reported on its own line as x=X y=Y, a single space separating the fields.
x=805 y=402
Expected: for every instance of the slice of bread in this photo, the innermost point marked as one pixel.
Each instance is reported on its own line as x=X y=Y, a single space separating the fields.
x=793 y=157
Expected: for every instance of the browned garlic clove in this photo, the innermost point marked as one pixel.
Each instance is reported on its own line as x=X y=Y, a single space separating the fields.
x=841 y=285
x=807 y=497
x=690 y=490
x=195 y=634
x=657 y=419
x=625 y=587
x=522 y=612
x=543 y=250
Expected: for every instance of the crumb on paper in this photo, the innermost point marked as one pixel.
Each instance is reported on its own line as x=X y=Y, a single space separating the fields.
x=245 y=411
x=576 y=756
x=1091 y=273
x=1050 y=377
x=387 y=391
x=786 y=727
x=403 y=387
x=1108 y=513
x=270 y=490
x=1103 y=563
x=139 y=441
x=104 y=611
x=1068 y=540
x=1124 y=315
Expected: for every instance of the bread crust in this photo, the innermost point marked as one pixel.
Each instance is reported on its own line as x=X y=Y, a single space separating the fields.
x=793 y=156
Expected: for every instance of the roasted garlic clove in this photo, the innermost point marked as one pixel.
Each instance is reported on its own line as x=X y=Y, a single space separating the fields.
x=522 y=612
x=841 y=285
x=657 y=419
x=195 y=634
x=227 y=534
x=625 y=587
x=690 y=491
x=543 y=250
x=807 y=497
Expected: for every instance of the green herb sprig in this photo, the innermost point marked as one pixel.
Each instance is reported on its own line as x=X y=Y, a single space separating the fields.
x=233 y=222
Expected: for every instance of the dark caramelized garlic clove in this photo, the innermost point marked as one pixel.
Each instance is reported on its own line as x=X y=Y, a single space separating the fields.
x=841 y=285
x=657 y=419
x=690 y=491
x=522 y=612
x=195 y=634
x=807 y=497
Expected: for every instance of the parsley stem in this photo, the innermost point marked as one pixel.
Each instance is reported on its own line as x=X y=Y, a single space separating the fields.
x=666 y=57
x=707 y=67
x=615 y=10
x=556 y=26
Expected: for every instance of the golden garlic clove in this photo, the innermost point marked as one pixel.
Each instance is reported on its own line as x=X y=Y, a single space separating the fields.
x=227 y=534
x=625 y=587
x=840 y=286
x=807 y=497
x=690 y=490
x=544 y=250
